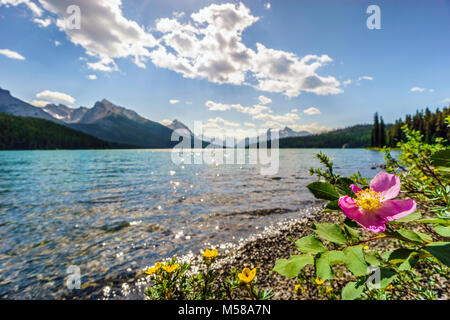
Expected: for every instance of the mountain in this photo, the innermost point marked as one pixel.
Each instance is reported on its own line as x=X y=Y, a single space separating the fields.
x=12 y=105
x=183 y=129
x=29 y=133
x=104 y=120
x=287 y=132
x=65 y=113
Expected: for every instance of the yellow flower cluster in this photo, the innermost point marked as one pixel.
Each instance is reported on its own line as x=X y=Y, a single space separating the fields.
x=210 y=254
x=169 y=268
x=154 y=269
x=319 y=281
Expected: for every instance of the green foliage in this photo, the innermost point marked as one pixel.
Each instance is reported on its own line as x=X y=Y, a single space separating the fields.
x=422 y=169
x=26 y=133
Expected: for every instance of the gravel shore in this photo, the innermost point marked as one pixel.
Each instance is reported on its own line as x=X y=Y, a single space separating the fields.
x=261 y=251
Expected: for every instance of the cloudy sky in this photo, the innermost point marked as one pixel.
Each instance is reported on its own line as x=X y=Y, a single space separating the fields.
x=310 y=65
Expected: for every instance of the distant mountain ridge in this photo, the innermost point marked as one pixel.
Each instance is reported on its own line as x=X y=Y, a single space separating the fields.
x=104 y=120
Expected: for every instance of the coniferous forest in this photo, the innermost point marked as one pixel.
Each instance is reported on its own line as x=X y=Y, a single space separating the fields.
x=26 y=133
x=430 y=124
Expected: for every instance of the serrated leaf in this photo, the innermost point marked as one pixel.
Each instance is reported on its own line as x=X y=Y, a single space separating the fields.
x=310 y=244
x=442 y=230
x=325 y=260
x=330 y=232
x=323 y=190
x=414 y=236
x=292 y=266
x=354 y=260
x=352 y=290
x=410 y=217
x=371 y=259
x=441 y=158
x=441 y=251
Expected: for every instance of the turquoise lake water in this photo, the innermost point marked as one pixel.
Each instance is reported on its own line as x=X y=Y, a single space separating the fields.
x=112 y=212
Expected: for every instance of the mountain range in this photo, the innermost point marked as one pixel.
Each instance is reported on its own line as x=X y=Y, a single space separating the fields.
x=112 y=123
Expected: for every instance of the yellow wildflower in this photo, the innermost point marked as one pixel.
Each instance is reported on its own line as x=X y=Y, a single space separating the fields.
x=319 y=281
x=390 y=287
x=365 y=248
x=154 y=269
x=329 y=290
x=170 y=268
x=247 y=275
x=297 y=287
x=424 y=178
x=210 y=254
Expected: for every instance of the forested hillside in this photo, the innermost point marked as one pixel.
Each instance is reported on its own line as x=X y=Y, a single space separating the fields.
x=26 y=133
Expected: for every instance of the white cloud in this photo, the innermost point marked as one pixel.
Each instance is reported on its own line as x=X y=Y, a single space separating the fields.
x=256 y=109
x=289 y=117
x=31 y=5
x=39 y=103
x=446 y=100
x=44 y=23
x=365 y=78
x=105 y=33
x=165 y=122
x=206 y=45
x=347 y=82
x=431 y=90
x=264 y=100
x=57 y=43
x=311 y=111
x=249 y=124
x=92 y=77
x=215 y=123
x=417 y=89
x=267 y=5
x=173 y=101
x=55 y=96
x=11 y=54
x=188 y=102
x=294 y=110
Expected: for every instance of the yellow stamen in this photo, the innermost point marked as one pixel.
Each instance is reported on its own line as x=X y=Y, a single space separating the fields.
x=368 y=200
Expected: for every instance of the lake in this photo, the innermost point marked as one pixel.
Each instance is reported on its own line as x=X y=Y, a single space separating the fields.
x=112 y=212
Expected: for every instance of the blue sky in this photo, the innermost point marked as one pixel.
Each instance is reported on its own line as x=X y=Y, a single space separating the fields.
x=142 y=56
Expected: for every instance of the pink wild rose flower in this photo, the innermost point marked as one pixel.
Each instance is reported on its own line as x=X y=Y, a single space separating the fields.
x=373 y=208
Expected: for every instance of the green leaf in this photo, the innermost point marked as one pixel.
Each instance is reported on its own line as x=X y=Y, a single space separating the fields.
x=325 y=260
x=397 y=255
x=445 y=222
x=414 y=236
x=310 y=244
x=410 y=217
x=352 y=290
x=371 y=259
x=352 y=233
x=442 y=230
x=330 y=232
x=386 y=277
x=292 y=266
x=441 y=158
x=441 y=251
x=333 y=206
x=323 y=190
x=354 y=260
x=410 y=262
x=343 y=186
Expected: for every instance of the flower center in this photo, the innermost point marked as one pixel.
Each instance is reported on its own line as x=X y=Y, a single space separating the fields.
x=368 y=200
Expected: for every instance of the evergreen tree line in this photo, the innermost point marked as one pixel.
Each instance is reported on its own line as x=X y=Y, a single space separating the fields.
x=26 y=133
x=430 y=124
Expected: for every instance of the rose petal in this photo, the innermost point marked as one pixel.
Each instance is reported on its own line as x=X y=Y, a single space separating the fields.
x=371 y=222
x=355 y=188
x=395 y=209
x=349 y=207
x=387 y=184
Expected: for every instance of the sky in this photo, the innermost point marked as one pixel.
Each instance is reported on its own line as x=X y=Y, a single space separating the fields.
x=235 y=65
